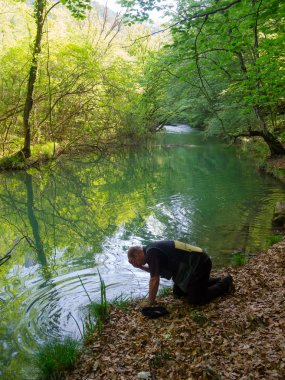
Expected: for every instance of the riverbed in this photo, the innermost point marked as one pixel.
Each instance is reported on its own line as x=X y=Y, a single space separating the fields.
x=64 y=223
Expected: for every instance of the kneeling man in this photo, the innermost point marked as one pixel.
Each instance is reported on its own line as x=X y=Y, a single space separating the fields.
x=188 y=266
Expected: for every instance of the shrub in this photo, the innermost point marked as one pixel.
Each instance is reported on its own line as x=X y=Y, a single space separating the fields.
x=11 y=162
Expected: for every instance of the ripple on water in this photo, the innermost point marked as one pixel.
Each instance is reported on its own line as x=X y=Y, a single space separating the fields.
x=49 y=309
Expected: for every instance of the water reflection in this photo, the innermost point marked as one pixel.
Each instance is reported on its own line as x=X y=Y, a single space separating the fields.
x=68 y=221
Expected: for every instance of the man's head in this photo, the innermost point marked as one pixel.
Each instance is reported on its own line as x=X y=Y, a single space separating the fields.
x=136 y=256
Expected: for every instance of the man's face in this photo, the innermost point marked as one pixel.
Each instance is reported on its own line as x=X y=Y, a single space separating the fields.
x=137 y=261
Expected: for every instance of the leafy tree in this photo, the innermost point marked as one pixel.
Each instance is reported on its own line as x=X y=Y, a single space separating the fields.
x=87 y=90
x=228 y=52
x=77 y=9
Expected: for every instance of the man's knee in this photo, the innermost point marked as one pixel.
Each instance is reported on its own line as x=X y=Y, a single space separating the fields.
x=197 y=295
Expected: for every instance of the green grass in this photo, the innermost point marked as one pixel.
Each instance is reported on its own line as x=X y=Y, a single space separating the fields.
x=97 y=312
x=198 y=317
x=11 y=162
x=164 y=291
x=276 y=238
x=238 y=259
x=122 y=302
x=43 y=151
x=39 y=152
x=55 y=358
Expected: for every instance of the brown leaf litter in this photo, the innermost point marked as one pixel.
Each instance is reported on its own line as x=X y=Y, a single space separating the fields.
x=239 y=336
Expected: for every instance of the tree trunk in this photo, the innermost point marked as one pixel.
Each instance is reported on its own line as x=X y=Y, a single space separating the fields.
x=39 y=15
x=275 y=146
x=33 y=220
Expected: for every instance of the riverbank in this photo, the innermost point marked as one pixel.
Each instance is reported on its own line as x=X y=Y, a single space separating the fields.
x=276 y=168
x=240 y=336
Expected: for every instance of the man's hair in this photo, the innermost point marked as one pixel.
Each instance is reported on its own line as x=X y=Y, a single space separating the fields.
x=132 y=251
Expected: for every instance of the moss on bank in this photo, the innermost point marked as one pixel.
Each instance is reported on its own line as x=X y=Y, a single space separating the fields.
x=257 y=150
x=40 y=154
x=241 y=337
x=276 y=168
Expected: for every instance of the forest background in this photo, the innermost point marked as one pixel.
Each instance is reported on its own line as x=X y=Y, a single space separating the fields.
x=75 y=76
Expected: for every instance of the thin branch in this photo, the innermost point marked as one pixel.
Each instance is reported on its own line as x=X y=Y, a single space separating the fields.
x=193 y=17
x=47 y=12
x=7 y=256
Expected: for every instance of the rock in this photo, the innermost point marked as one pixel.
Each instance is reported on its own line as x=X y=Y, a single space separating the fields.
x=143 y=375
x=279 y=215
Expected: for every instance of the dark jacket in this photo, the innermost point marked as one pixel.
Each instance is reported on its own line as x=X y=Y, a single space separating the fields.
x=176 y=260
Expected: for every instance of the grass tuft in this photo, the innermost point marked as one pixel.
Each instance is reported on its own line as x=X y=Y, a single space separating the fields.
x=55 y=358
x=238 y=259
x=274 y=239
x=198 y=317
x=164 y=291
x=122 y=302
x=97 y=312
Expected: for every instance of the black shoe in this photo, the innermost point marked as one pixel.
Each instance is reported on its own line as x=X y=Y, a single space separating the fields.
x=213 y=280
x=154 y=312
x=228 y=281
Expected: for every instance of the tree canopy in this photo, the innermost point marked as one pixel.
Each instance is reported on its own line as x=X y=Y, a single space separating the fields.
x=227 y=63
x=92 y=78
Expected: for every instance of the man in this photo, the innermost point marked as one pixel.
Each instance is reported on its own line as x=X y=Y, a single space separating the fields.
x=188 y=266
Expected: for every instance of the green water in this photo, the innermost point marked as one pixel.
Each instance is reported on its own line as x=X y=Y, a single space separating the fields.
x=81 y=215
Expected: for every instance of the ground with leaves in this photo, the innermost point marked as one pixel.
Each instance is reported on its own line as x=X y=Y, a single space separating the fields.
x=239 y=336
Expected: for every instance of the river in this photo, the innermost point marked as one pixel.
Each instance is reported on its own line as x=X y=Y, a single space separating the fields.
x=64 y=223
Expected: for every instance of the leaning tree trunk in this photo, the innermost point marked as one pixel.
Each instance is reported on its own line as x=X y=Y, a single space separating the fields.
x=275 y=146
x=39 y=15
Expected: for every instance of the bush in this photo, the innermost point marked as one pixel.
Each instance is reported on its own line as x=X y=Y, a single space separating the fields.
x=11 y=162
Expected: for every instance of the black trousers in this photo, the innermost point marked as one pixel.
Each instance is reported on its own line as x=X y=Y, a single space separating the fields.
x=202 y=289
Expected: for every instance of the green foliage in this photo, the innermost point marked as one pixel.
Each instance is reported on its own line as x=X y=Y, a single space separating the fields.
x=77 y=7
x=46 y=150
x=276 y=238
x=159 y=358
x=122 y=302
x=224 y=70
x=164 y=291
x=56 y=357
x=238 y=259
x=223 y=73
x=198 y=317
x=97 y=312
x=11 y=163
x=87 y=92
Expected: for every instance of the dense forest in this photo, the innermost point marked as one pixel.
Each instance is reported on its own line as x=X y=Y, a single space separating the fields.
x=76 y=76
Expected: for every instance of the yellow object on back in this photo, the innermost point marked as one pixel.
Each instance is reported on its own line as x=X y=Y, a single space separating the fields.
x=186 y=247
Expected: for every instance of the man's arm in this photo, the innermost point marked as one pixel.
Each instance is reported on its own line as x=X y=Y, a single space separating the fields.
x=153 y=288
